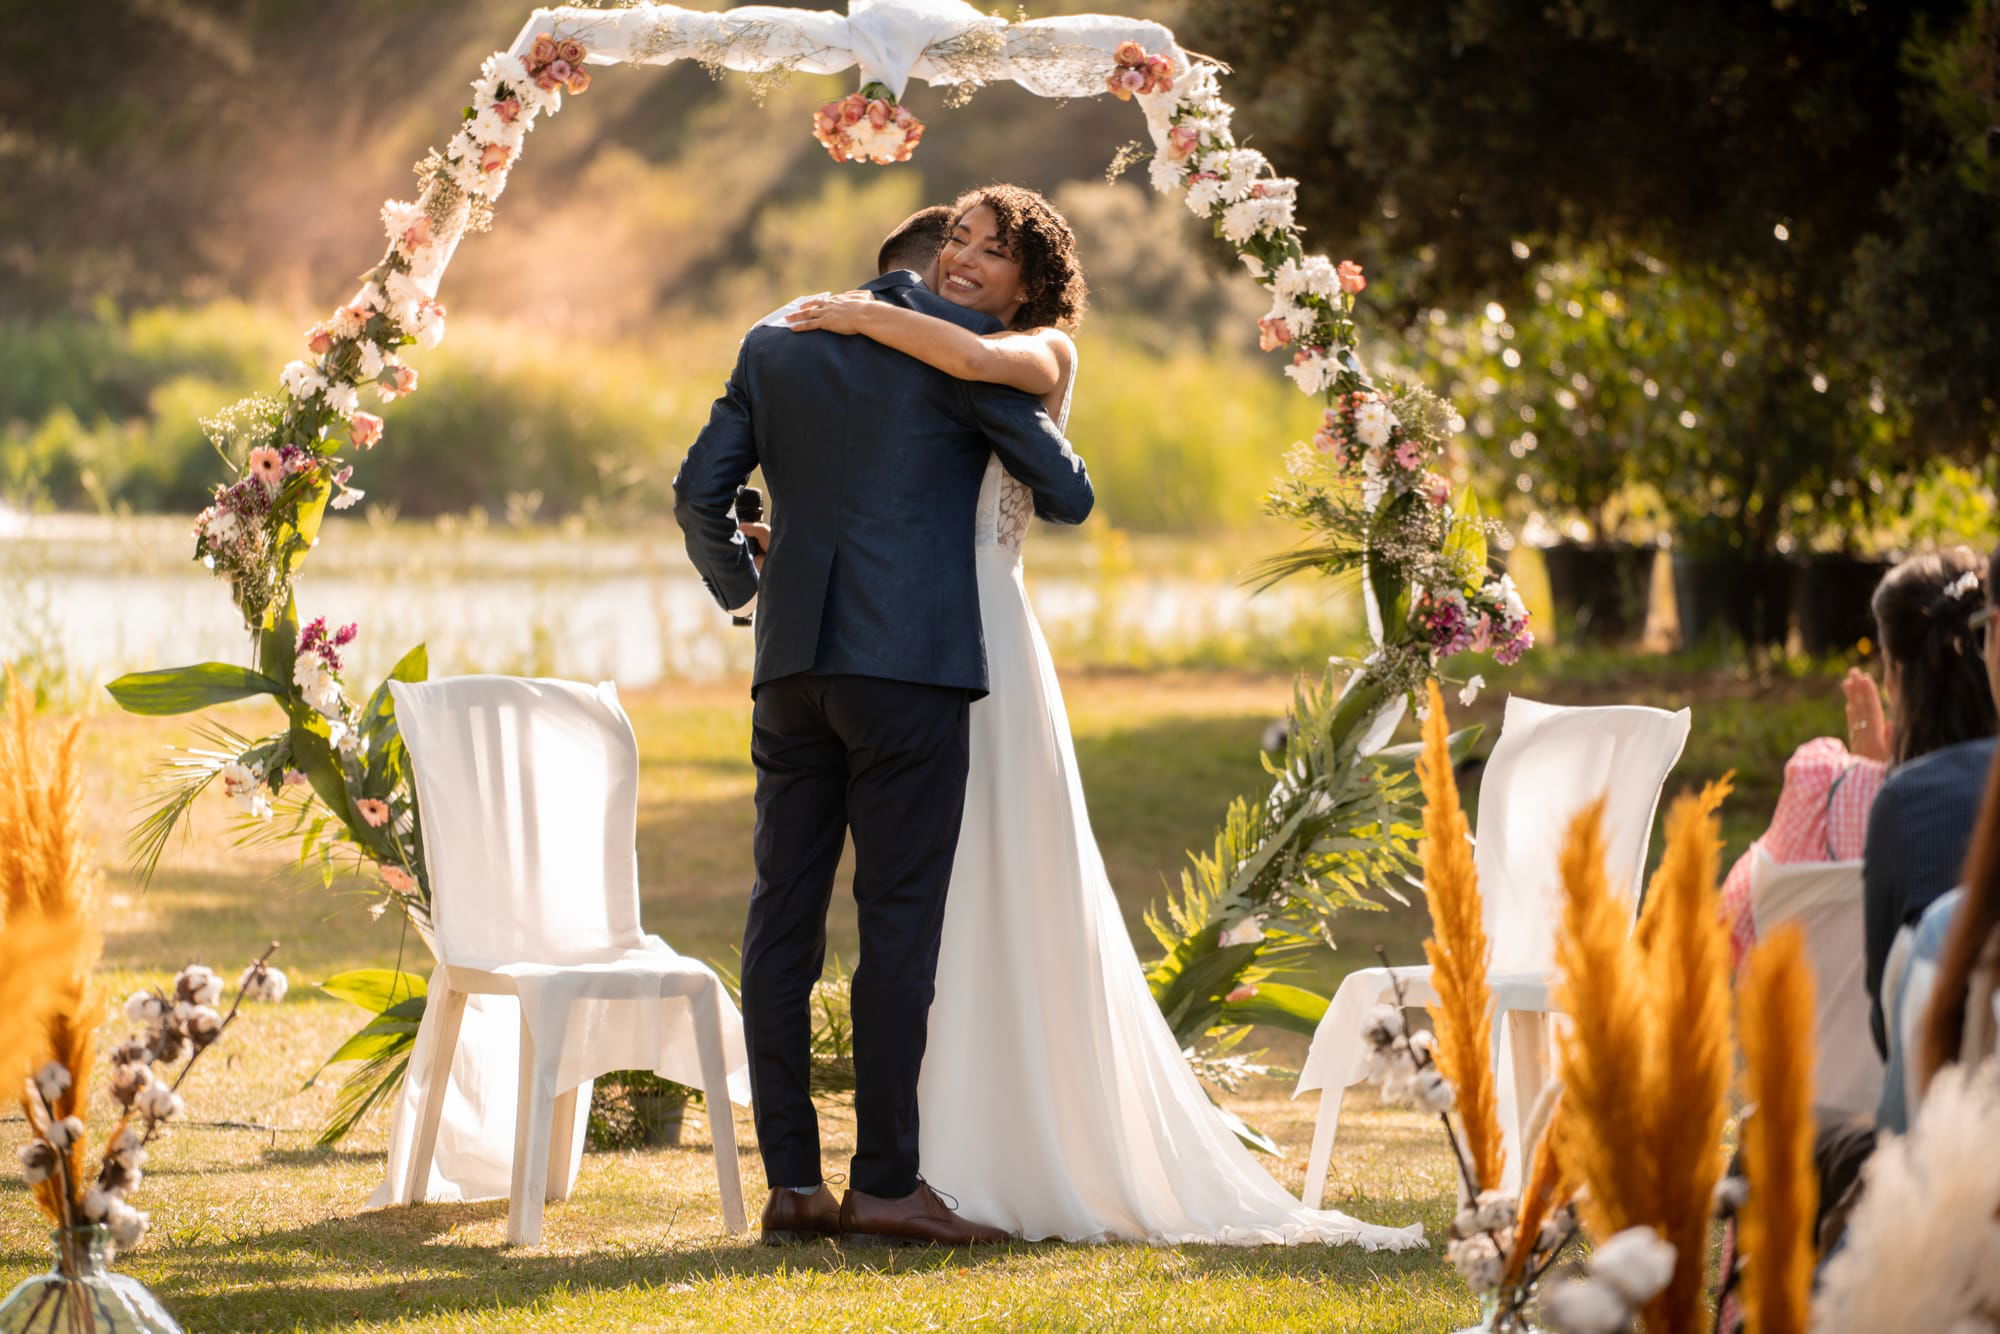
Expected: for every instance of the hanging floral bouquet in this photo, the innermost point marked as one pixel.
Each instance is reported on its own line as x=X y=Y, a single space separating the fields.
x=868 y=126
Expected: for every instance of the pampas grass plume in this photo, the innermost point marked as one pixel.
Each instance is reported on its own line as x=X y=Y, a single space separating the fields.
x=49 y=942
x=1603 y=1063
x=1459 y=952
x=1776 y=1026
x=1686 y=978
x=1921 y=1246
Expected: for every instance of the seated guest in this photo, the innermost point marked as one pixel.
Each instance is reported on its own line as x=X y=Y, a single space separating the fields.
x=1939 y=699
x=1822 y=811
x=1960 y=1024
x=1922 y=820
x=1931 y=948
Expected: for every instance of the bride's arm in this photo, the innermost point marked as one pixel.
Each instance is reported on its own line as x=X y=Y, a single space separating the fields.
x=1025 y=361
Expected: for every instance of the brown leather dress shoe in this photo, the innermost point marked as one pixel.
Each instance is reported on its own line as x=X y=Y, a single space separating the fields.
x=918 y=1219
x=790 y=1218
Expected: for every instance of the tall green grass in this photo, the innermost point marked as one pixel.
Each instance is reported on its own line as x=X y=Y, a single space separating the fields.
x=103 y=412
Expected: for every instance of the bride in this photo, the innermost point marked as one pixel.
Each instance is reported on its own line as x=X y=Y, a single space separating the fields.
x=1055 y=1102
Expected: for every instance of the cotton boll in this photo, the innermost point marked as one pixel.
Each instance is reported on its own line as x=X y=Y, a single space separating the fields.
x=198 y=984
x=1385 y=1025
x=1637 y=1262
x=1495 y=1210
x=52 y=1081
x=128 y=1225
x=1478 y=1261
x=1433 y=1092
x=1578 y=1306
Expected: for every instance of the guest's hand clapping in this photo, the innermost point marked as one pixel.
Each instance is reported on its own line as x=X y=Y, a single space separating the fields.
x=1867 y=724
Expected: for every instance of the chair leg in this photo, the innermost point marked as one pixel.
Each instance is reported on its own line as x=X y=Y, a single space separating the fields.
x=1325 y=1127
x=1528 y=1048
x=562 y=1141
x=450 y=1015
x=721 y=1119
x=533 y=1113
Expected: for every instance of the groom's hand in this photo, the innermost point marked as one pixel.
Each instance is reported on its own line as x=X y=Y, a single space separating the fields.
x=759 y=536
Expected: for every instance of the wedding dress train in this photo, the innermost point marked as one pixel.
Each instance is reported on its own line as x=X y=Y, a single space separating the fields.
x=1055 y=1101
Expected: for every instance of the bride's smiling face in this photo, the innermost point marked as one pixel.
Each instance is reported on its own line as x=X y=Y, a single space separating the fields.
x=979 y=270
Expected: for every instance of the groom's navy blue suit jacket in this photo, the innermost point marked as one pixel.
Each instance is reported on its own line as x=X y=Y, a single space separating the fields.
x=873 y=462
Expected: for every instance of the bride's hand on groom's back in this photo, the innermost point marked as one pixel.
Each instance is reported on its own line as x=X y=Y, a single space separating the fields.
x=839 y=313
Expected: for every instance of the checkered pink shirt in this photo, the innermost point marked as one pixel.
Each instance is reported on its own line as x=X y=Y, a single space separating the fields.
x=1822 y=816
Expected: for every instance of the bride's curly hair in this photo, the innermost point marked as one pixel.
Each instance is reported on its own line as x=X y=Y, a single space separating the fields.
x=1042 y=241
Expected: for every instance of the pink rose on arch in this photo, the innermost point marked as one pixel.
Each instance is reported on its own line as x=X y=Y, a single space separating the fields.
x=1351 y=280
x=544 y=50
x=1273 y=333
x=1182 y=141
x=1133 y=81
x=878 y=114
x=418 y=234
x=495 y=158
x=319 y=340
x=852 y=108
x=508 y=109
x=1482 y=633
x=403 y=381
x=367 y=429
x=1129 y=53
x=579 y=81
x=1437 y=488
x=572 y=51
x=1302 y=354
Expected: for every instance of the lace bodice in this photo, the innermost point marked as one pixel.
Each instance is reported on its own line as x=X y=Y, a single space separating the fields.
x=1005 y=505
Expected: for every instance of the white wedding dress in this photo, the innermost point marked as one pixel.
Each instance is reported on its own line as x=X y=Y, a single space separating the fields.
x=1055 y=1102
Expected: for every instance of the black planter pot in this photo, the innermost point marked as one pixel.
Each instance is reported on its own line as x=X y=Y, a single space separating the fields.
x=1739 y=596
x=1600 y=592
x=1833 y=595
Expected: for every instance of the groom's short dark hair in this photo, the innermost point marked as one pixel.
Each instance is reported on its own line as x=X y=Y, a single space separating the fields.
x=916 y=240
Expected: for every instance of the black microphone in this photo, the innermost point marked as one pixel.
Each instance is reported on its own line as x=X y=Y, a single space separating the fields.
x=749 y=509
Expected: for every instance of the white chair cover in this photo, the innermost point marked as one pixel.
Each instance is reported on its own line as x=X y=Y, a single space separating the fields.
x=1823 y=899
x=1549 y=763
x=528 y=791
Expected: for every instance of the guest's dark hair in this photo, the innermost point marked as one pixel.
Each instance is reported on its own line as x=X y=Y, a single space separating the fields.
x=1974 y=928
x=916 y=240
x=1042 y=241
x=1921 y=612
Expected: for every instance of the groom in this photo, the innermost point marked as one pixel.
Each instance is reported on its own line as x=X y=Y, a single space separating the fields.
x=869 y=655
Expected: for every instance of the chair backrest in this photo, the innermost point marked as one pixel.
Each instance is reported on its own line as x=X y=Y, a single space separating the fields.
x=529 y=796
x=1549 y=763
x=1823 y=899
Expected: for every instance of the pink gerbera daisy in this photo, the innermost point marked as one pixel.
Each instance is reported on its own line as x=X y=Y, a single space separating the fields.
x=267 y=466
x=375 y=812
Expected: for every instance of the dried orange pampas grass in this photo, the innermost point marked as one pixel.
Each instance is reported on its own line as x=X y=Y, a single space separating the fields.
x=1604 y=1052
x=1458 y=952
x=1777 y=1025
x=48 y=941
x=1547 y=1188
x=1686 y=977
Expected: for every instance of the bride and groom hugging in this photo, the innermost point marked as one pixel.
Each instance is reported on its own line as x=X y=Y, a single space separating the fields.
x=1006 y=1045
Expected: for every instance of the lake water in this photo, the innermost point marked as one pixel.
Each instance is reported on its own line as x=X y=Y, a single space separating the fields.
x=93 y=597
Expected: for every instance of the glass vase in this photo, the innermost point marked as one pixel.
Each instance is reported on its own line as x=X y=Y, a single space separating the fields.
x=81 y=1296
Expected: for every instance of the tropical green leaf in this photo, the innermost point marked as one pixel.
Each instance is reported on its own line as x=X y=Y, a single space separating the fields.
x=172 y=690
x=1278 y=1005
x=278 y=642
x=363 y=1089
x=375 y=990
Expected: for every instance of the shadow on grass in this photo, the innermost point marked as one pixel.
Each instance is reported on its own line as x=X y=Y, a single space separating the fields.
x=414 y=1273
x=405 y=1271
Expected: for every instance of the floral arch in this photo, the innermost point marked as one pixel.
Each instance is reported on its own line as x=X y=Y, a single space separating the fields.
x=1365 y=485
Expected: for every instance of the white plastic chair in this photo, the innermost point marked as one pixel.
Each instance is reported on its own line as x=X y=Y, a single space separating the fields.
x=1823 y=899
x=1548 y=764
x=529 y=797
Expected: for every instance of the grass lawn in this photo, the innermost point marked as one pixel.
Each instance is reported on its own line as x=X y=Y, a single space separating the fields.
x=255 y=1228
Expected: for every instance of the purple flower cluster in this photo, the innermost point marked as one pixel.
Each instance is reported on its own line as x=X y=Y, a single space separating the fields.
x=314 y=639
